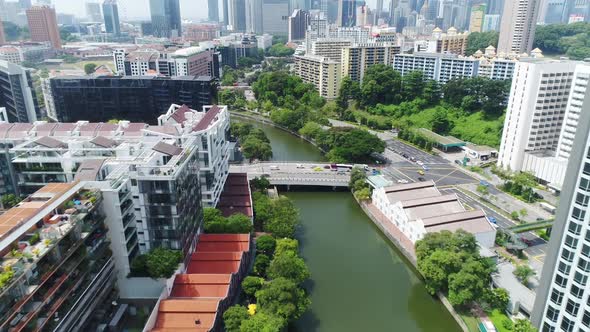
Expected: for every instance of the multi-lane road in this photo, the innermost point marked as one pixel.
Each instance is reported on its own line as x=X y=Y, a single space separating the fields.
x=449 y=178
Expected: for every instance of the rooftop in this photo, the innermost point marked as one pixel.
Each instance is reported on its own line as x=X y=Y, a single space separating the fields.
x=445 y=141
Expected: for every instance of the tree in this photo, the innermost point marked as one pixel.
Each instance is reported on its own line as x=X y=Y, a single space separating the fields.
x=363 y=194
x=251 y=285
x=413 y=85
x=262 y=322
x=440 y=121
x=280 y=50
x=524 y=325
x=261 y=264
x=283 y=298
x=523 y=212
x=266 y=244
x=564 y=39
x=310 y=130
x=286 y=246
x=162 y=263
x=484 y=190
x=240 y=129
x=481 y=40
x=254 y=148
x=288 y=266
x=514 y=215
x=469 y=283
x=260 y=183
x=436 y=269
x=237 y=223
x=497 y=298
x=284 y=218
x=523 y=272
x=353 y=145
x=10 y=200
x=381 y=84
x=211 y=215
x=431 y=92
x=89 y=68
x=233 y=318
x=349 y=89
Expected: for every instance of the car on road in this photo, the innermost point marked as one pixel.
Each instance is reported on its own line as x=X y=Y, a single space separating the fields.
x=484 y=183
x=405 y=155
x=341 y=173
x=327 y=167
x=274 y=168
x=458 y=162
x=421 y=172
x=540 y=219
x=300 y=166
x=527 y=241
x=424 y=167
x=493 y=220
x=419 y=162
x=402 y=181
x=412 y=159
x=421 y=179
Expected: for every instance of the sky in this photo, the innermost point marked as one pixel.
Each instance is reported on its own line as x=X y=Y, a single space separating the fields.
x=134 y=9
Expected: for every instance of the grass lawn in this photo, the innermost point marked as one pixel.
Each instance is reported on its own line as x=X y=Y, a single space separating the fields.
x=470 y=321
x=497 y=317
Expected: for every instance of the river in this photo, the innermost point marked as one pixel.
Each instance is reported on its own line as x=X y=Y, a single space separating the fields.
x=359 y=282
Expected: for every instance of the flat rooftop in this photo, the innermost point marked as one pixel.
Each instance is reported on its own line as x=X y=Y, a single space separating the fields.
x=446 y=141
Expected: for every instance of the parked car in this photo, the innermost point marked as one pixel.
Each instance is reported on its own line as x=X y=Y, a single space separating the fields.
x=421 y=172
x=540 y=219
x=402 y=181
x=458 y=162
x=412 y=159
x=421 y=179
x=274 y=168
x=424 y=167
x=419 y=162
x=527 y=241
x=405 y=155
x=327 y=167
x=300 y=166
x=484 y=183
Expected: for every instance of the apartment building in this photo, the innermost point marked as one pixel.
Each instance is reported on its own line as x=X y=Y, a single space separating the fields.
x=153 y=179
x=43 y=25
x=11 y=54
x=18 y=95
x=535 y=115
x=517 y=27
x=561 y=303
x=330 y=47
x=135 y=98
x=57 y=265
x=357 y=58
x=323 y=72
x=190 y=61
x=451 y=42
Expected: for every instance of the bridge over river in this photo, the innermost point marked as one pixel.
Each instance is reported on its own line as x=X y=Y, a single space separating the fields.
x=295 y=173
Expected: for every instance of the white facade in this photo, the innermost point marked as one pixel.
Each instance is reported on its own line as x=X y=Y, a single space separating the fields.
x=12 y=54
x=419 y=208
x=491 y=22
x=536 y=108
x=563 y=295
x=357 y=58
x=119 y=60
x=330 y=47
x=517 y=28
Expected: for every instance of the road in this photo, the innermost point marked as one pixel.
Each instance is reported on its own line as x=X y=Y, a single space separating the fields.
x=294 y=173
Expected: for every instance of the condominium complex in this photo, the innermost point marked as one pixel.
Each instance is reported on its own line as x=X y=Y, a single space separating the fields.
x=56 y=259
x=323 y=72
x=444 y=67
x=517 y=28
x=43 y=25
x=330 y=47
x=561 y=302
x=357 y=58
x=190 y=61
x=18 y=94
x=450 y=42
x=543 y=111
x=141 y=98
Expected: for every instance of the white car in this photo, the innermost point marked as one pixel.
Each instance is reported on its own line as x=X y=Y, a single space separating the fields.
x=402 y=181
x=419 y=162
x=300 y=166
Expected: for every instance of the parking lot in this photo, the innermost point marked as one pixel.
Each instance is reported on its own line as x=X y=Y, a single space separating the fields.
x=400 y=148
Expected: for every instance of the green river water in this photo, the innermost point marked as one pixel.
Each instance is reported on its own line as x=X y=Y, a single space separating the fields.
x=359 y=282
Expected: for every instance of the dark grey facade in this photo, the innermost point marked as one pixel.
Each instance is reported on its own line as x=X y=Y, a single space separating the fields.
x=346 y=13
x=166 y=20
x=110 y=11
x=17 y=93
x=137 y=99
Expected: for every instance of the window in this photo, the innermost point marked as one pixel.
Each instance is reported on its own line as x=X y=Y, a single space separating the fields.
x=578 y=213
x=552 y=314
x=584 y=265
x=567 y=325
x=572 y=307
x=575 y=228
x=585 y=250
x=586 y=169
x=584 y=184
x=569 y=256
x=570 y=241
x=580 y=278
x=556 y=297
x=564 y=268
x=577 y=291
x=582 y=199
x=586 y=318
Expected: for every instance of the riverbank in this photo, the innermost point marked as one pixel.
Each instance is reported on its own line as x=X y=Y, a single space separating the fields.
x=328 y=278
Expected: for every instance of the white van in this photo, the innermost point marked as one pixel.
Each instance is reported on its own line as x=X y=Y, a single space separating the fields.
x=274 y=168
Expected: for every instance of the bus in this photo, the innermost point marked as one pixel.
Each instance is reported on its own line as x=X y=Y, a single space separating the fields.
x=548 y=207
x=347 y=167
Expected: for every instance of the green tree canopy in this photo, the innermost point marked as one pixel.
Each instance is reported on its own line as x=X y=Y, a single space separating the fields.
x=284 y=219
x=350 y=145
x=572 y=40
x=10 y=200
x=283 y=298
x=261 y=263
x=89 y=68
x=254 y=148
x=162 y=263
x=266 y=244
x=289 y=266
x=287 y=246
x=251 y=285
x=233 y=318
x=280 y=50
x=480 y=40
x=262 y=322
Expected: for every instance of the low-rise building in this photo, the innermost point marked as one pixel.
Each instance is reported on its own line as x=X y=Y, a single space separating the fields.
x=56 y=262
x=420 y=208
x=323 y=72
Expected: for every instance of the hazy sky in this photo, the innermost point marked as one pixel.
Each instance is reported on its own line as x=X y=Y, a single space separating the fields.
x=131 y=9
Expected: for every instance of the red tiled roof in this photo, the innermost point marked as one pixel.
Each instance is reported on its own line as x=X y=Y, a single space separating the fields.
x=207 y=119
x=179 y=114
x=235 y=197
x=186 y=315
x=213 y=267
